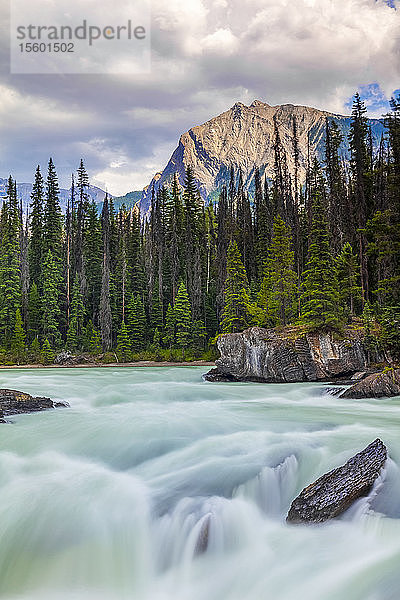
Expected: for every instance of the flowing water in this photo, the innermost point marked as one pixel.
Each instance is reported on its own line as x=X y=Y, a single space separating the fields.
x=155 y=485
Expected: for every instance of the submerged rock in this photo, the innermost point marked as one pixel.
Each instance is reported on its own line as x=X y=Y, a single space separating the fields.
x=13 y=402
x=335 y=492
x=202 y=540
x=272 y=356
x=378 y=385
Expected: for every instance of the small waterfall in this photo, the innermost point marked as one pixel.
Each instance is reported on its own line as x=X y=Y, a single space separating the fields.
x=273 y=489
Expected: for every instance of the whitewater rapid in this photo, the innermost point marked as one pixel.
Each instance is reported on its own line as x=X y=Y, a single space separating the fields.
x=108 y=499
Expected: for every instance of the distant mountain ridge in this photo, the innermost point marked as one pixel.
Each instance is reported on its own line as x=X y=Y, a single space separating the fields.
x=243 y=137
x=24 y=191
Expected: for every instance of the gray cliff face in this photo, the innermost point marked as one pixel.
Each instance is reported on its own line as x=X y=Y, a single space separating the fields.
x=265 y=355
x=243 y=137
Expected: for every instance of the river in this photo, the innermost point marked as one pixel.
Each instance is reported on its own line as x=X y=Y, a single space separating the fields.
x=107 y=499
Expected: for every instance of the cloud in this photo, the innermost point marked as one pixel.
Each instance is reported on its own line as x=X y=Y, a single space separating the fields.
x=206 y=55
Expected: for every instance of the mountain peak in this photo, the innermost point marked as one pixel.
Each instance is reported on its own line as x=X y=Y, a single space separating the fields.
x=244 y=137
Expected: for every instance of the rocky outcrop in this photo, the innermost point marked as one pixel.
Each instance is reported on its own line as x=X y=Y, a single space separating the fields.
x=277 y=357
x=65 y=358
x=378 y=385
x=13 y=402
x=335 y=492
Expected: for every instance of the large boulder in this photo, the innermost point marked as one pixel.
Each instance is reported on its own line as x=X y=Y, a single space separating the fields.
x=272 y=356
x=335 y=492
x=13 y=402
x=378 y=385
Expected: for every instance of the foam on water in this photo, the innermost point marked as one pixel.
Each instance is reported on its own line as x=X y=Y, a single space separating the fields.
x=155 y=485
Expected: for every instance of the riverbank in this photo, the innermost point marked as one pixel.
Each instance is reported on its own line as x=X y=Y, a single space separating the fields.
x=141 y=363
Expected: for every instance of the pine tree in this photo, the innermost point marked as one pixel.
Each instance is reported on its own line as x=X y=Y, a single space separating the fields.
x=123 y=344
x=278 y=295
x=18 y=342
x=183 y=319
x=47 y=353
x=319 y=299
x=237 y=314
x=50 y=309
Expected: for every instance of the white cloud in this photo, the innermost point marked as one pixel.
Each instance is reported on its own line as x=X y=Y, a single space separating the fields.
x=207 y=54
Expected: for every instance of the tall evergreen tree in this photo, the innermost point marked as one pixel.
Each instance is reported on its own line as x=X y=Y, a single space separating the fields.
x=36 y=227
x=105 y=316
x=278 y=295
x=183 y=319
x=52 y=221
x=237 y=313
x=320 y=295
x=50 y=309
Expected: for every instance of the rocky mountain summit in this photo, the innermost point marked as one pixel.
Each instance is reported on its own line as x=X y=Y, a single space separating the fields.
x=244 y=137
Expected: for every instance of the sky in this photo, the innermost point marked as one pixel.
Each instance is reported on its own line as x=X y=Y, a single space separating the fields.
x=206 y=55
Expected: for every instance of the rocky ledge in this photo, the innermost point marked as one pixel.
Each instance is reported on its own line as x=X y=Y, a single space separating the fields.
x=272 y=356
x=377 y=385
x=13 y=402
x=335 y=492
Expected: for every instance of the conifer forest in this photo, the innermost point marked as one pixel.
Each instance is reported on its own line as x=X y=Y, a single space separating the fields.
x=115 y=285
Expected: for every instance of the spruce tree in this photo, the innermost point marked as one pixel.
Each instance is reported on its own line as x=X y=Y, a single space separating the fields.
x=183 y=319
x=278 y=295
x=105 y=315
x=136 y=321
x=52 y=220
x=238 y=312
x=10 y=267
x=47 y=353
x=123 y=344
x=320 y=296
x=36 y=228
x=34 y=350
x=50 y=309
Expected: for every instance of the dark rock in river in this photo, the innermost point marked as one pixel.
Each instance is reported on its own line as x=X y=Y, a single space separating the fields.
x=13 y=402
x=336 y=491
x=268 y=355
x=202 y=540
x=215 y=375
x=378 y=385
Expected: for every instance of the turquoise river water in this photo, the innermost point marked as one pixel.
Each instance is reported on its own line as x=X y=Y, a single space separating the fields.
x=106 y=500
